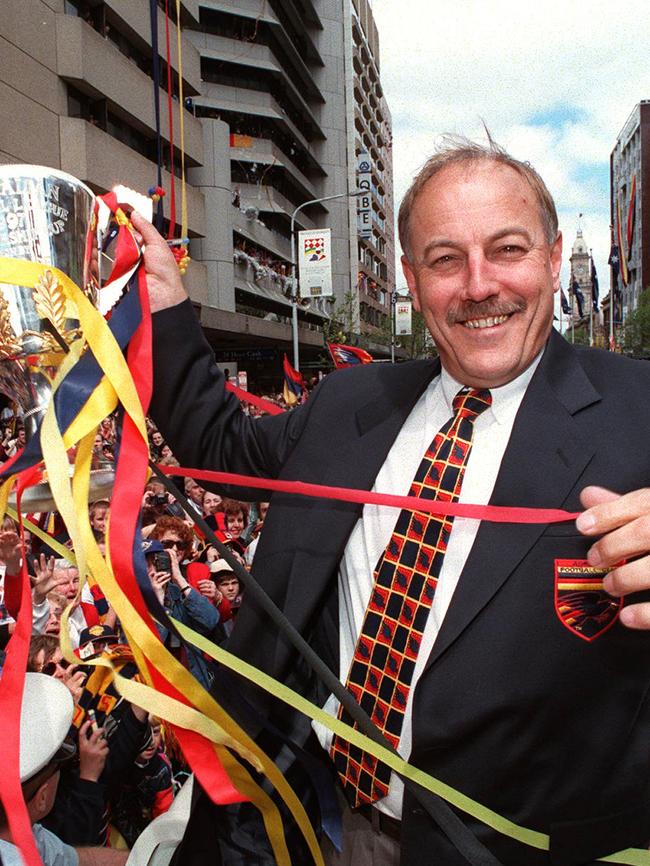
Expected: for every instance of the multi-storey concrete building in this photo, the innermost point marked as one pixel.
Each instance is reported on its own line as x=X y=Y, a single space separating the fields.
x=279 y=98
x=630 y=204
x=372 y=132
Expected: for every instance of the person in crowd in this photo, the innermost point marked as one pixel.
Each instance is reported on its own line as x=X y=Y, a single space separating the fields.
x=124 y=726
x=77 y=815
x=213 y=512
x=19 y=441
x=181 y=601
x=194 y=493
x=212 y=503
x=89 y=609
x=174 y=534
x=148 y=789
x=236 y=514
x=502 y=650
x=45 y=657
x=42 y=583
x=156 y=502
x=47 y=710
x=107 y=429
x=58 y=603
x=98 y=514
x=227 y=585
x=156 y=444
x=98 y=452
x=166 y=456
x=7 y=436
x=260 y=509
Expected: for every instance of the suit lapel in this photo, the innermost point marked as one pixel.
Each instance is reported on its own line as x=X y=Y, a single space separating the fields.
x=545 y=456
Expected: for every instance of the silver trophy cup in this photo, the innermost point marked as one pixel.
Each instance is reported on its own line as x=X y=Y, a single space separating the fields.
x=46 y=216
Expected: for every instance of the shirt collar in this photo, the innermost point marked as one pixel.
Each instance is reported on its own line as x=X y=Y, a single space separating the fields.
x=505 y=398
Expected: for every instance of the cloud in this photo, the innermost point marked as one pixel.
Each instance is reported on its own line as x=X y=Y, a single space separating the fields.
x=554 y=82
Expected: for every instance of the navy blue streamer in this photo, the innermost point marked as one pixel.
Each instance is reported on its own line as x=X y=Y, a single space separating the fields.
x=155 y=71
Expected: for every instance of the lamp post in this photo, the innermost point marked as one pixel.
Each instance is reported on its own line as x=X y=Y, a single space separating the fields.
x=294 y=266
x=398 y=293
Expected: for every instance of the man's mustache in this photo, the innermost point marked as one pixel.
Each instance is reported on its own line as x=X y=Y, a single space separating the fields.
x=490 y=308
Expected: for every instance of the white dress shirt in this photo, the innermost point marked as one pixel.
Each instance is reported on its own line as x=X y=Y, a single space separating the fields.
x=374 y=528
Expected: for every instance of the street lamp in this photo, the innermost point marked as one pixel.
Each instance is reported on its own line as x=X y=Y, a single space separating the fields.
x=402 y=292
x=294 y=266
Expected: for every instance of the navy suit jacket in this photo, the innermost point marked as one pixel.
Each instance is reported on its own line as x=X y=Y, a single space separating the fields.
x=514 y=708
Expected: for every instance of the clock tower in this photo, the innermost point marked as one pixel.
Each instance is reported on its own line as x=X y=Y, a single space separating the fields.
x=580 y=275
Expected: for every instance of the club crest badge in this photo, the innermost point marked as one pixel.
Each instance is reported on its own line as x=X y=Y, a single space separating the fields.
x=581 y=603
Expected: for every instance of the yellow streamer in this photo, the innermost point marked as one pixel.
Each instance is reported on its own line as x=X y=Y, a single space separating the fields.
x=234 y=737
x=57 y=547
x=210 y=719
x=181 y=112
x=533 y=838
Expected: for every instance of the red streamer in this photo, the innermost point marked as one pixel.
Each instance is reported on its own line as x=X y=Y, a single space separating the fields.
x=491 y=513
x=259 y=402
x=12 y=685
x=131 y=470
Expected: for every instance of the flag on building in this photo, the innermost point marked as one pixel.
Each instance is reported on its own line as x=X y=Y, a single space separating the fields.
x=348 y=356
x=594 y=286
x=614 y=261
x=631 y=218
x=580 y=300
x=294 y=384
x=564 y=302
x=622 y=261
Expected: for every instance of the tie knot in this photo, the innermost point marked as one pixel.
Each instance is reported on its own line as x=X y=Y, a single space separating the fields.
x=470 y=402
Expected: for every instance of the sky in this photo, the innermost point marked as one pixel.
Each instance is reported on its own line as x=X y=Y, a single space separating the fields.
x=554 y=82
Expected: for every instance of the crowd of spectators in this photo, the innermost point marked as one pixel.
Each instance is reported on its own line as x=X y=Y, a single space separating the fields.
x=127 y=765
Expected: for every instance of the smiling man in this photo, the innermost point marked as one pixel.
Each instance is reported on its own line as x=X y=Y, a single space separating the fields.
x=483 y=257
x=511 y=661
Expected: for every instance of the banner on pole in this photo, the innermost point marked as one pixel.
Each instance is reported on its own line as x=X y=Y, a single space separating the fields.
x=403 y=313
x=364 y=201
x=315 y=263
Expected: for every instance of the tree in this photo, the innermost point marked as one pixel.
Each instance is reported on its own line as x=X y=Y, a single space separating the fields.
x=343 y=317
x=637 y=327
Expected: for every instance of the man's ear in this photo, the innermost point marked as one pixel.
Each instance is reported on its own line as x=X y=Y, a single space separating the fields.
x=556 y=261
x=411 y=282
x=38 y=805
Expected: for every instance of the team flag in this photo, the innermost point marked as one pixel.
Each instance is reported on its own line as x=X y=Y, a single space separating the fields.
x=294 y=384
x=622 y=263
x=564 y=301
x=614 y=261
x=580 y=300
x=348 y=356
x=594 y=286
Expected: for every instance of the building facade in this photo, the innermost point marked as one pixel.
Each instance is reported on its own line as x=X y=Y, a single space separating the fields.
x=279 y=99
x=371 y=131
x=630 y=206
x=580 y=293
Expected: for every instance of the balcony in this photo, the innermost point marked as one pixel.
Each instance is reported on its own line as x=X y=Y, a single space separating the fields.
x=267 y=199
x=266 y=153
x=97 y=67
x=132 y=18
x=95 y=157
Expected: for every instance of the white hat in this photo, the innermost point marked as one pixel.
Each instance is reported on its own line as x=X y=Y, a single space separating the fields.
x=45 y=720
x=220 y=565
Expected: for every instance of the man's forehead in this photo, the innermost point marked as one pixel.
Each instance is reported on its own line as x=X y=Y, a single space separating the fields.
x=483 y=195
x=491 y=178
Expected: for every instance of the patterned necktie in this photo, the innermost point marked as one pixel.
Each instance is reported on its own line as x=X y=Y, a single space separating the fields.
x=405 y=581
